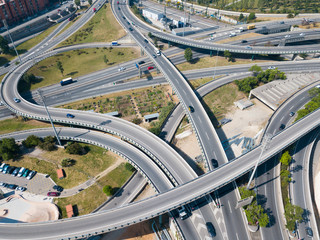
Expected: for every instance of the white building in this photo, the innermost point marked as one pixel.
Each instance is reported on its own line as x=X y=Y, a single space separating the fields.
x=148 y=13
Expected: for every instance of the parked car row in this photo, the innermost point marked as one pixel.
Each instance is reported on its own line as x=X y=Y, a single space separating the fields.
x=12 y=186
x=17 y=171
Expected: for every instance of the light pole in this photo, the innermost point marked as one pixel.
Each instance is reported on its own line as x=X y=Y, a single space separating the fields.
x=214 y=72
x=264 y=144
x=45 y=106
x=6 y=25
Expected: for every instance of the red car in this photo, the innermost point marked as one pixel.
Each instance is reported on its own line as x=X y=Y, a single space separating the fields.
x=118 y=2
x=149 y=68
x=94 y=9
x=53 y=194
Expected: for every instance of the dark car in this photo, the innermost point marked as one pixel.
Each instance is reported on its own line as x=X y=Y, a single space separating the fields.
x=53 y=194
x=69 y=115
x=141 y=62
x=58 y=188
x=146 y=41
x=291 y=114
x=123 y=17
x=193 y=205
x=191 y=109
x=130 y=29
x=211 y=229
x=6 y=64
x=2 y=184
x=282 y=126
x=10 y=170
x=12 y=186
x=128 y=23
x=214 y=163
x=244 y=41
x=309 y=232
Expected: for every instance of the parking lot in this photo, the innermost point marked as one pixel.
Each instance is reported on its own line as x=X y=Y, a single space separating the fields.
x=39 y=184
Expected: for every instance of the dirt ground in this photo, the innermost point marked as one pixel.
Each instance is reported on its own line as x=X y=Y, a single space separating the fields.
x=246 y=122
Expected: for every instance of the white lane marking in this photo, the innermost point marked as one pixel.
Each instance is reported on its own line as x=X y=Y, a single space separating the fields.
x=230 y=206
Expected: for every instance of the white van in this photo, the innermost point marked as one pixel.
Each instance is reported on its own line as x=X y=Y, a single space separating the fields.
x=21 y=171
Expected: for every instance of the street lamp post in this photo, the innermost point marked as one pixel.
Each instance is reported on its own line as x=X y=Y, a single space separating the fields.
x=6 y=25
x=264 y=144
x=45 y=106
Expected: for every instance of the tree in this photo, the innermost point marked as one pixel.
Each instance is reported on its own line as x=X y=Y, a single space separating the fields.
x=77 y=2
x=75 y=148
x=4 y=45
x=245 y=193
x=108 y=190
x=241 y=17
x=105 y=59
x=68 y=162
x=149 y=34
x=48 y=143
x=255 y=69
x=31 y=141
x=188 y=54
x=60 y=67
x=228 y=56
x=285 y=158
x=8 y=148
x=292 y=213
x=255 y=214
x=290 y=15
x=252 y=16
x=90 y=2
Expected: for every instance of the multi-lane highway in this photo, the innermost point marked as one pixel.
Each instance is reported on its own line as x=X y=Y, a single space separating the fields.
x=139 y=211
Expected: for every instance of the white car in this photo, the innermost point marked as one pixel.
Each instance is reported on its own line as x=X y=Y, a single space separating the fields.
x=22 y=189
x=287 y=36
x=301 y=34
x=121 y=69
x=272 y=67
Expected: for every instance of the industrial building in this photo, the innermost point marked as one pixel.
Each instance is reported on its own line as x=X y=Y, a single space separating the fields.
x=148 y=13
x=273 y=29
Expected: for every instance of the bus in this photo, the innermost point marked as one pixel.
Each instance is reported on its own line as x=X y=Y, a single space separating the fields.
x=251 y=26
x=66 y=81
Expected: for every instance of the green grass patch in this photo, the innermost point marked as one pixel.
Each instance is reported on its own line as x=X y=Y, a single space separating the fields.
x=79 y=62
x=103 y=27
x=92 y=197
x=200 y=81
x=18 y=124
x=37 y=39
x=219 y=101
x=208 y=62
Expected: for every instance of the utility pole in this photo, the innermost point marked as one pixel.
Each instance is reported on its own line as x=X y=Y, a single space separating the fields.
x=184 y=19
x=45 y=106
x=14 y=47
x=264 y=144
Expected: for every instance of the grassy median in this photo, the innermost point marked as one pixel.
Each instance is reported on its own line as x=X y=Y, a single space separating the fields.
x=79 y=62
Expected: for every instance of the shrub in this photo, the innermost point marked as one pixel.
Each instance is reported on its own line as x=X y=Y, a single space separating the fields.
x=31 y=141
x=75 y=148
x=108 y=190
x=129 y=167
x=68 y=162
x=9 y=149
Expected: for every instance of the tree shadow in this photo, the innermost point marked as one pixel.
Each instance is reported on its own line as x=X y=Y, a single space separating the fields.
x=72 y=73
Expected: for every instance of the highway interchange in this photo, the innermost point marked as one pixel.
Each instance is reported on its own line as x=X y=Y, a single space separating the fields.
x=132 y=134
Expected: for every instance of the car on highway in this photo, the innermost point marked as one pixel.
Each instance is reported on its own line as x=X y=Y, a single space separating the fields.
x=149 y=68
x=248 y=47
x=130 y=29
x=145 y=40
x=118 y=8
x=1 y=103
x=128 y=23
x=244 y=41
x=291 y=114
x=31 y=175
x=183 y=212
x=191 y=109
x=214 y=163
x=26 y=173
x=117 y=2
x=69 y=115
x=17 y=100
x=211 y=229
x=154 y=56
x=53 y=194
x=309 y=232
x=121 y=69
x=22 y=189
x=94 y=10
x=282 y=126
x=124 y=17
x=302 y=34
x=58 y=188
x=11 y=186
x=287 y=36
x=271 y=67
x=141 y=62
